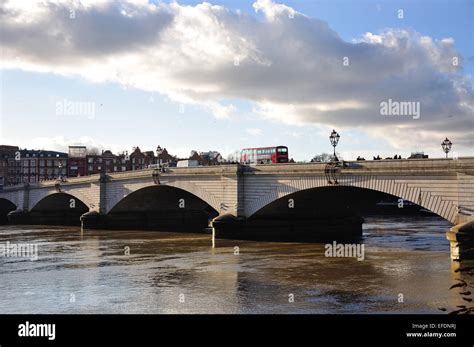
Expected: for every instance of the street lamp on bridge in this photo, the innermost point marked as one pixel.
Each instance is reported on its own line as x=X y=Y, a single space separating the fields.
x=446 y=145
x=60 y=167
x=334 y=138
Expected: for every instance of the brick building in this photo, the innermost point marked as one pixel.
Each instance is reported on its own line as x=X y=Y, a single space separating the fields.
x=77 y=161
x=211 y=158
x=106 y=162
x=22 y=166
x=150 y=158
x=164 y=158
x=9 y=168
x=39 y=165
x=138 y=159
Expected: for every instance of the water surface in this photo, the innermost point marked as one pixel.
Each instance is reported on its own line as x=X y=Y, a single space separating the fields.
x=92 y=272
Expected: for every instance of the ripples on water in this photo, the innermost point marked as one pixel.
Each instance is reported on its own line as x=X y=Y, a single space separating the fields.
x=90 y=272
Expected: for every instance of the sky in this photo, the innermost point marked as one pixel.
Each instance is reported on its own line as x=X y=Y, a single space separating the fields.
x=227 y=75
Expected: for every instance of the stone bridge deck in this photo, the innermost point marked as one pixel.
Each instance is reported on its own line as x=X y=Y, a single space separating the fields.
x=444 y=186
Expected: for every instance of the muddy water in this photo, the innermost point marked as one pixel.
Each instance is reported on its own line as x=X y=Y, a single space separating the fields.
x=406 y=259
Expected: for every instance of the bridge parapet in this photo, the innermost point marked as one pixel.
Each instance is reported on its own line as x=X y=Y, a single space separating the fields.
x=198 y=170
x=439 y=166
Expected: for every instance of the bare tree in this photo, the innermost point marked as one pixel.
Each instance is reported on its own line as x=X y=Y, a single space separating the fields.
x=234 y=156
x=324 y=157
x=92 y=151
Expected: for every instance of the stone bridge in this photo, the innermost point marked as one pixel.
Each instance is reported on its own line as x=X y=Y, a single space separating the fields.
x=443 y=186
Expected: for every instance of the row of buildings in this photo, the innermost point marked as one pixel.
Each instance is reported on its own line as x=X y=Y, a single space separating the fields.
x=31 y=166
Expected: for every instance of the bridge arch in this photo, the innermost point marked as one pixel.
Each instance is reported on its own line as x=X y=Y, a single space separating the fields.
x=59 y=201
x=161 y=207
x=7 y=203
x=436 y=204
x=38 y=195
x=156 y=196
x=186 y=186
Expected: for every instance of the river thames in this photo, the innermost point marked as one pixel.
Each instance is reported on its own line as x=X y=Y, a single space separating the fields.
x=406 y=269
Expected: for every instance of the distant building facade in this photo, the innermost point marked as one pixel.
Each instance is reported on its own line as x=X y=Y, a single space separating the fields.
x=106 y=162
x=32 y=166
x=38 y=165
x=9 y=167
x=211 y=158
x=77 y=161
x=164 y=158
x=196 y=157
x=138 y=159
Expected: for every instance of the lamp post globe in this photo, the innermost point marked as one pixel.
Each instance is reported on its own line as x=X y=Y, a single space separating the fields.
x=446 y=145
x=334 y=138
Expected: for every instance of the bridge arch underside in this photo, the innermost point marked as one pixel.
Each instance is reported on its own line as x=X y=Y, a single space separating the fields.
x=321 y=214
x=6 y=206
x=53 y=209
x=161 y=208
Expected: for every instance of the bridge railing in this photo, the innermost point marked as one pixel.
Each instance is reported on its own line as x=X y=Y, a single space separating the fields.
x=464 y=164
x=196 y=170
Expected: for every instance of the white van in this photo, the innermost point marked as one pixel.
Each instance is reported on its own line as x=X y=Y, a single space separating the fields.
x=187 y=163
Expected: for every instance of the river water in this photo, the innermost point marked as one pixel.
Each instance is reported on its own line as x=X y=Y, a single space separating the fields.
x=406 y=269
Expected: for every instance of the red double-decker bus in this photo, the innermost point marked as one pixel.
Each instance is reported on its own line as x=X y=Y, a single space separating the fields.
x=264 y=155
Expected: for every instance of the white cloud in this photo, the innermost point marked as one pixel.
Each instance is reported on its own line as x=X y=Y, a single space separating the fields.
x=254 y=131
x=290 y=65
x=272 y=10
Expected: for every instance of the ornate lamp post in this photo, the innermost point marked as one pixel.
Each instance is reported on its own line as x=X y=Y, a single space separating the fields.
x=446 y=145
x=60 y=166
x=334 y=138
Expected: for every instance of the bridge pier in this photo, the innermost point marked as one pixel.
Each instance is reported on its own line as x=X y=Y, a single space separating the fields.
x=297 y=229
x=91 y=220
x=21 y=217
x=461 y=241
x=173 y=221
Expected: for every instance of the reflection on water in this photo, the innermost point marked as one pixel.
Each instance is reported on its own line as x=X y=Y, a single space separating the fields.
x=93 y=272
